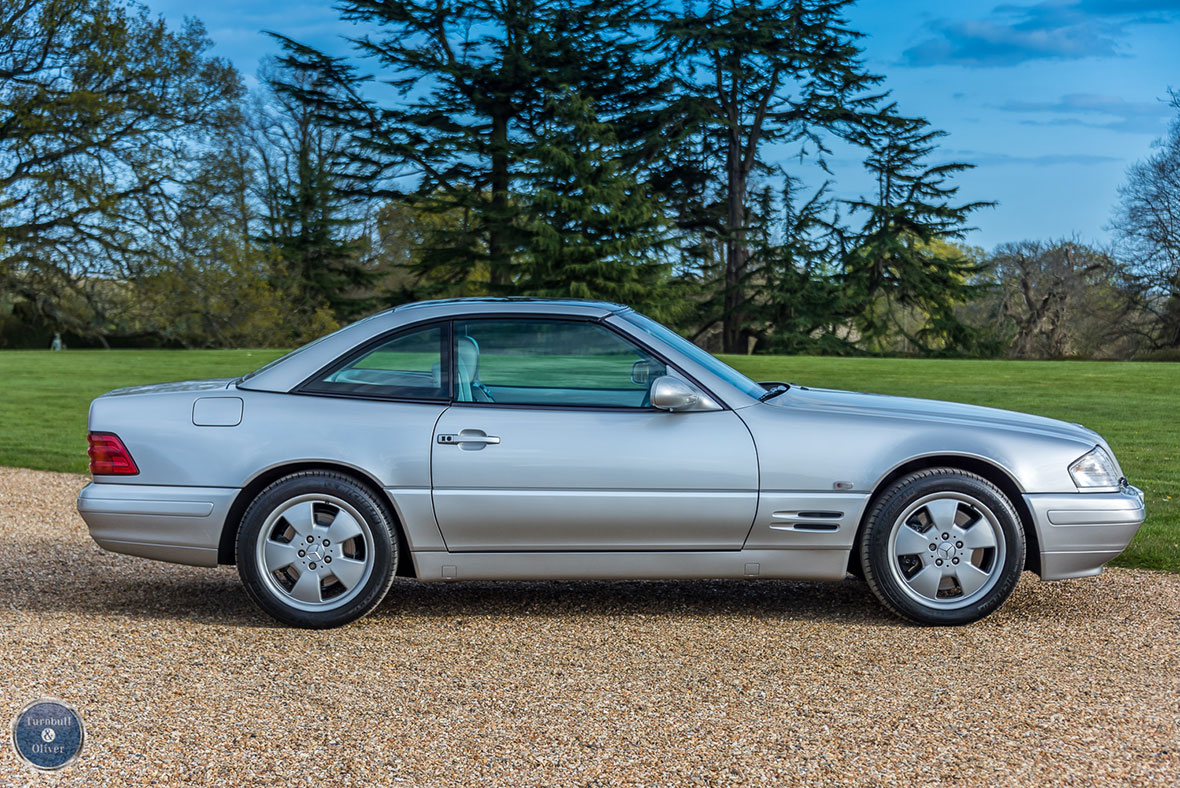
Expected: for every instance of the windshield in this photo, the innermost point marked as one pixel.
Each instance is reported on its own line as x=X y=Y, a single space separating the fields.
x=702 y=357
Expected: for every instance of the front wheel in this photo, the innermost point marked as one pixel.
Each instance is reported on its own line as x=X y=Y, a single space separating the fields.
x=942 y=546
x=317 y=550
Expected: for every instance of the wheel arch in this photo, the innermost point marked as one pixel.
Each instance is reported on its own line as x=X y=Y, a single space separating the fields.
x=227 y=543
x=994 y=473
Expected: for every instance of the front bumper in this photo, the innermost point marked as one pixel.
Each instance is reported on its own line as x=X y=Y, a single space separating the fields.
x=177 y=524
x=1079 y=532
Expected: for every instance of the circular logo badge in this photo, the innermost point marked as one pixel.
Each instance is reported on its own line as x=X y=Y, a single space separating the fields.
x=48 y=734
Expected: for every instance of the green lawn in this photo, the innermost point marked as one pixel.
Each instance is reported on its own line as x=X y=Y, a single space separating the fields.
x=44 y=396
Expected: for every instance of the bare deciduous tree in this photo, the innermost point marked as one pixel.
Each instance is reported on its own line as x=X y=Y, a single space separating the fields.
x=1148 y=222
x=1059 y=298
x=103 y=115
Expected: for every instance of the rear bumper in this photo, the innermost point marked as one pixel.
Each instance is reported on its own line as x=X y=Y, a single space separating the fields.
x=177 y=524
x=1079 y=532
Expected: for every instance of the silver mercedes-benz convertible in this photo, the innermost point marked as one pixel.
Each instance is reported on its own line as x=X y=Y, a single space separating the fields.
x=496 y=439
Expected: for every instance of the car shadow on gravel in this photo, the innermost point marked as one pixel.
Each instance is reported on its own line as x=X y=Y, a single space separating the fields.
x=85 y=580
x=761 y=599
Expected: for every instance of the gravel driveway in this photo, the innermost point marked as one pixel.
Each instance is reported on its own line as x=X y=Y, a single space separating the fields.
x=180 y=681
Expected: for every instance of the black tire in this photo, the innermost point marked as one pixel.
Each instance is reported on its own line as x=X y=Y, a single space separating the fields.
x=329 y=494
x=968 y=499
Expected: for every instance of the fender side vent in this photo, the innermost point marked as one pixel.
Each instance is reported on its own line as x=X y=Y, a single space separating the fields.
x=816 y=520
x=817 y=527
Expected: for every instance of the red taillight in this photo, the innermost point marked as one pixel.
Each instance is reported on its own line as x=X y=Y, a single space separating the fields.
x=108 y=455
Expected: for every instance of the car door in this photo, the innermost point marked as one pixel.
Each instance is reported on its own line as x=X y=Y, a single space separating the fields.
x=551 y=444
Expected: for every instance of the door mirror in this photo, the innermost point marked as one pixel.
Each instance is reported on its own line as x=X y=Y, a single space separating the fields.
x=642 y=371
x=669 y=393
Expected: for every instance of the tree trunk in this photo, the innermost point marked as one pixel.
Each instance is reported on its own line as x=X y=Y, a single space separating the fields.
x=499 y=251
x=733 y=338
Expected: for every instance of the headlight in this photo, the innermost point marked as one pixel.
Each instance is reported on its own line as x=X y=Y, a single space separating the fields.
x=1095 y=468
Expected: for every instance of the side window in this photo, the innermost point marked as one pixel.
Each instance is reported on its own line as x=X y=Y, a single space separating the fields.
x=550 y=362
x=410 y=365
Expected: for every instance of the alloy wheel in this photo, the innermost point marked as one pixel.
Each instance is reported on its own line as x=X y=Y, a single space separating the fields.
x=315 y=552
x=946 y=550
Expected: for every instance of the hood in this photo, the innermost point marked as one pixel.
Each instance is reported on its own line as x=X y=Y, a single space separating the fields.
x=170 y=388
x=833 y=401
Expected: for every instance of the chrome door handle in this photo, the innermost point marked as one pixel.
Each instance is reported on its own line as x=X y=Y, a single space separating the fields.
x=451 y=438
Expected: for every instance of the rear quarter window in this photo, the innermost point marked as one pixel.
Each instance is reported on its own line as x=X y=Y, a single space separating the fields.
x=410 y=365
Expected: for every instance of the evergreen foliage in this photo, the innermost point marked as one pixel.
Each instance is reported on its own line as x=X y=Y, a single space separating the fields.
x=752 y=74
x=894 y=261
x=474 y=79
x=677 y=157
x=308 y=221
x=593 y=230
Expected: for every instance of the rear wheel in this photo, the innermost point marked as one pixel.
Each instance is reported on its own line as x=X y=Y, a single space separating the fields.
x=316 y=549
x=942 y=546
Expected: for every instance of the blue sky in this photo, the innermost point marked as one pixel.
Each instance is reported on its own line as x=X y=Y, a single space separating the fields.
x=1051 y=100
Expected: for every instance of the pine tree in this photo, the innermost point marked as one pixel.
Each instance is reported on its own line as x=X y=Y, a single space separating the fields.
x=308 y=222
x=895 y=261
x=797 y=303
x=593 y=230
x=475 y=77
x=755 y=73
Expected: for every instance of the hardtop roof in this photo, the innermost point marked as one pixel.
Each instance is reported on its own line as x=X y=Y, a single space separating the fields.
x=513 y=302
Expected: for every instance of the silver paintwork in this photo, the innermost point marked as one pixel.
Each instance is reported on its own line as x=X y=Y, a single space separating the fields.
x=1078 y=533
x=217 y=411
x=168 y=523
x=594 y=480
x=628 y=565
x=677 y=396
x=730 y=490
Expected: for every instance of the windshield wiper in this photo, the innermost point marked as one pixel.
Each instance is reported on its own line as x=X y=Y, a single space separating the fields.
x=774 y=392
